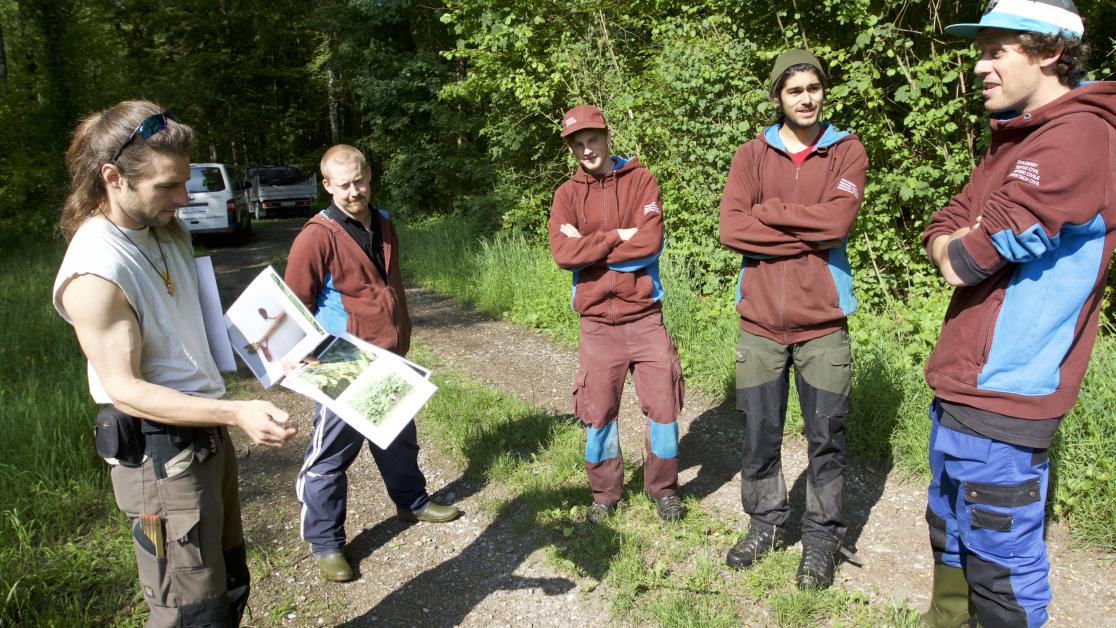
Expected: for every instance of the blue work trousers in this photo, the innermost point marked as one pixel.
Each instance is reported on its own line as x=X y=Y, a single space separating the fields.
x=985 y=508
x=322 y=485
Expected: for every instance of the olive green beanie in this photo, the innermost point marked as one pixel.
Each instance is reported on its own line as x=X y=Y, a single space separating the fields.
x=794 y=56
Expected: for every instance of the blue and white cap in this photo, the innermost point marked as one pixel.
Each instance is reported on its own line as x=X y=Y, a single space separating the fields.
x=1050 y=17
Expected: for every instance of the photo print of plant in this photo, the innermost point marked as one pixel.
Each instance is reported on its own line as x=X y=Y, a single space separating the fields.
x=376 y=399
x=373 y=390
x=339 y=364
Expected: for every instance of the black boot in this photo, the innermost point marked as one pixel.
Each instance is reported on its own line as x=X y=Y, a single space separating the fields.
x=760 y=539
x=819 y=560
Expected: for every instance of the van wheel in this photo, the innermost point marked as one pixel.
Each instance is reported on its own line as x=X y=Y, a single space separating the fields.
x=243 y=230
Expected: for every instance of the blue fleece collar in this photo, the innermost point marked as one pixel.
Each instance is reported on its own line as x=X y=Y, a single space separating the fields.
x=830 y=136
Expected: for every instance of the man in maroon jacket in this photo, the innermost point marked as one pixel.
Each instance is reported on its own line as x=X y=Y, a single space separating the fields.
x=344 y=266
x=1027 y=243
x=606 y=226
x=791 y=196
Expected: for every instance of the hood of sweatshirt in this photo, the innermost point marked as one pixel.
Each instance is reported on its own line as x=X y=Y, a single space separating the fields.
x=1097 y=98
x=830 y=136
x=624 y=168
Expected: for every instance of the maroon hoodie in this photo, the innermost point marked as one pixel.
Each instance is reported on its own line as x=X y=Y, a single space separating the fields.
x=338 y=282
x=789 y=224
x=1017 y=337
x=614 y=281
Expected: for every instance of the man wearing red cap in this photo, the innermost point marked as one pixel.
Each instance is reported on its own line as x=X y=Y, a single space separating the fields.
x=606 y=227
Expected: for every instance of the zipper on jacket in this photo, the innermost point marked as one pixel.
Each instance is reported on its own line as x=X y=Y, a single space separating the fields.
x=609 y=296
x=782 y=301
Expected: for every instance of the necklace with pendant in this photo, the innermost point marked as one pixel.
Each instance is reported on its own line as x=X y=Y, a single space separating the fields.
x=165 y=274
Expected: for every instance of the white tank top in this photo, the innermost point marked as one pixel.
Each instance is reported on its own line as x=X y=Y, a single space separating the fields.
x=175 y=352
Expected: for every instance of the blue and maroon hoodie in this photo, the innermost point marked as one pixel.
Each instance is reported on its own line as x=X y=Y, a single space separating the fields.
x=789 y=224
x=614 y=281
x=338 y=282
x=1017 y=337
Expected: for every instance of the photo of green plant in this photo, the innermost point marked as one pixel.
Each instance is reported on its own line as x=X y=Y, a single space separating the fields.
x=376 y=399
x=338 y=366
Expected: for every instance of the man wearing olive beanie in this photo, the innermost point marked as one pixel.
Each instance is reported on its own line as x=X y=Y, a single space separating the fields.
x=789 y=202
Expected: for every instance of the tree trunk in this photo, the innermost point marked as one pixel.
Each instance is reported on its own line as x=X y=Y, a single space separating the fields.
x=331 y=94
x=3 y=66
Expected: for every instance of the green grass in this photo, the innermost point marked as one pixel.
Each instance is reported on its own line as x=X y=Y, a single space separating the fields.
x=1084 y=453
x=651 y=573
x=65 y=558
x=509 y=277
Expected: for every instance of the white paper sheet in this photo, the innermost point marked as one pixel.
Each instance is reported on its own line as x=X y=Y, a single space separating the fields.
x=215 y=330
x=375 y=391
x=268 y=326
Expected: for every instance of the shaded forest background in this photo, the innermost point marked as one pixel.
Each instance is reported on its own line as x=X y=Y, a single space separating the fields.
x=457 y=104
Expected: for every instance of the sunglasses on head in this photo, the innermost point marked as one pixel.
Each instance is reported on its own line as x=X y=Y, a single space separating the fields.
x=148 y=127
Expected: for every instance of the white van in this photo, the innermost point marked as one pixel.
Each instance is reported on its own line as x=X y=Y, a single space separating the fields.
x=217 y=203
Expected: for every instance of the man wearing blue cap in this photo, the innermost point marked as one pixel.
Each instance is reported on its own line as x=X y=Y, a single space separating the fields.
x=1027 y=243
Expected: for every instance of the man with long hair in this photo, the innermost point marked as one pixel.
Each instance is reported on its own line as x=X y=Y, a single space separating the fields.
x=129 y=288
x=1027 y=244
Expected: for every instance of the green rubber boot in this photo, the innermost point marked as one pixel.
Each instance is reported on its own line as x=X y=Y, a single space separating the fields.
x=334 y=568
x=949 y=601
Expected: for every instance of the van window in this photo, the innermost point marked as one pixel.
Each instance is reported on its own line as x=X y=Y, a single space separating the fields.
x=205 y=179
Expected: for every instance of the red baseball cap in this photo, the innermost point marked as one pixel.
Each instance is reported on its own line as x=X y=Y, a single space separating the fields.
x=582 y=117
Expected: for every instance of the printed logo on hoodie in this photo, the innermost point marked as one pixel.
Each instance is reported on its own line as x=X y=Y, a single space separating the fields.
x=1027 y=171
x=848 y=186
x=653 y=206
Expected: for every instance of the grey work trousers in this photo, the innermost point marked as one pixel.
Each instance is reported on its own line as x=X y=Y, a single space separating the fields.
x=202 y=577
x=823 y=378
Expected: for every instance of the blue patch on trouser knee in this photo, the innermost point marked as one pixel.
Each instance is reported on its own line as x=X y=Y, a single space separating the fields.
x=664 y=439
x=602 y=444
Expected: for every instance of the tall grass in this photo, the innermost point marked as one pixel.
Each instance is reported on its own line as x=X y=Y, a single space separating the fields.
x=63 y=557
x=509 y=277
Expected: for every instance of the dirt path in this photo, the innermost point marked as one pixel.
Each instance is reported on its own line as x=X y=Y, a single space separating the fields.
x=475 y=571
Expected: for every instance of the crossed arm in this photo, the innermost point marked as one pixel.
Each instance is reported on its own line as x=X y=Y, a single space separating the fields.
x=766 y=227
x=625 y=249
x=108 y=332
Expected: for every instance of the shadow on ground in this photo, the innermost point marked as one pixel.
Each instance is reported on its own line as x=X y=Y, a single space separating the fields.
x=534 y=519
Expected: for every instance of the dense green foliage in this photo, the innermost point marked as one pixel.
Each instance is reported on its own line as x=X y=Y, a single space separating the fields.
x=457 y=105
x=65 y=556
x=508 y=277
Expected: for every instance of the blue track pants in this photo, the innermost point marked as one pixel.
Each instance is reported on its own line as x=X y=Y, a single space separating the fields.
x=322 y=485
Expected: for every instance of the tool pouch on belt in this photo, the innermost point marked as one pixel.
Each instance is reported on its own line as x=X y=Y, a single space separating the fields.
x=166 y=442
x=118 y=437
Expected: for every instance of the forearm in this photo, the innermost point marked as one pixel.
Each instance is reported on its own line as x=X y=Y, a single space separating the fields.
x=578 y=252
x=109 y=335
x=939 y=256
x=823 y=222
x=165 y=405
